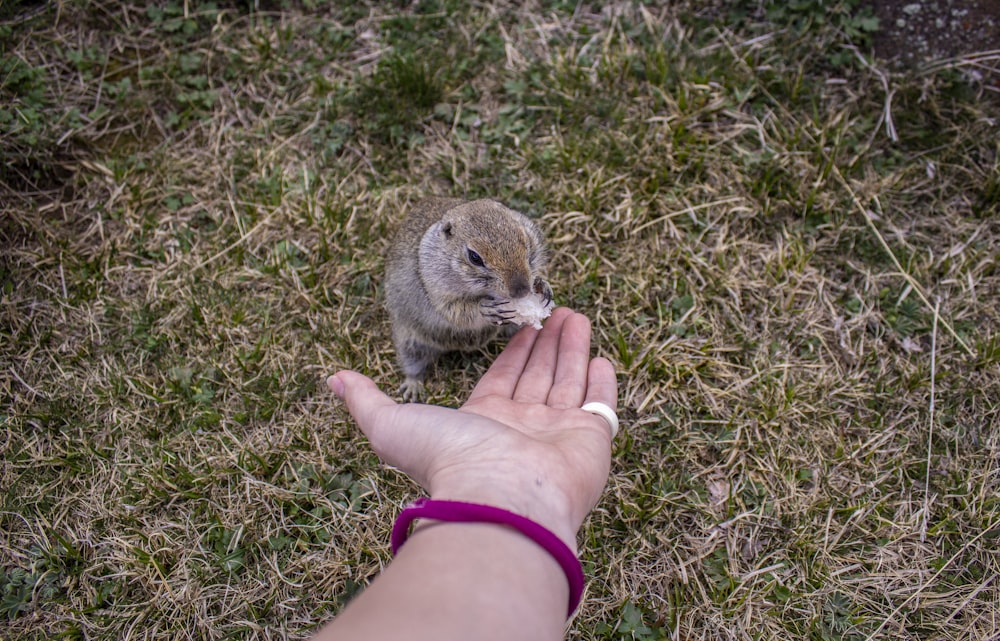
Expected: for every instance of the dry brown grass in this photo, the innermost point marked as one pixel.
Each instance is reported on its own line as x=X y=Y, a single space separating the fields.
x=185 y=256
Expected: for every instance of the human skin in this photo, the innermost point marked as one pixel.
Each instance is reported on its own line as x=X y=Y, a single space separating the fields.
x=520 y=443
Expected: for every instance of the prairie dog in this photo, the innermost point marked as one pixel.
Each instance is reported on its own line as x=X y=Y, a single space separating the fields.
x=452 y=270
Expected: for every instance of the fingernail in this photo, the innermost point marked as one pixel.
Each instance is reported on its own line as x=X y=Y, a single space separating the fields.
x=336 y=385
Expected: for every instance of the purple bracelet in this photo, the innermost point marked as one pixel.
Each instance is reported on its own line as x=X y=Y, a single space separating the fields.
x=459 y=512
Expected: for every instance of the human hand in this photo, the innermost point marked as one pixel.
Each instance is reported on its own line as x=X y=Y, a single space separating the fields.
x=521 y=441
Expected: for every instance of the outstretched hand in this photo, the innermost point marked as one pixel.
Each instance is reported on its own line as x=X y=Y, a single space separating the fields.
x=520 y=442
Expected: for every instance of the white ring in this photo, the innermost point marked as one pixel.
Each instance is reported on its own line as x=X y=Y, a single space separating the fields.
x=605 y=412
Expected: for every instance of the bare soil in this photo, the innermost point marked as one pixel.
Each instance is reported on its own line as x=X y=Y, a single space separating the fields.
x=913 y=32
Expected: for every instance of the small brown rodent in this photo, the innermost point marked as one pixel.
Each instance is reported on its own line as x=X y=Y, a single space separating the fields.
x=452 y=270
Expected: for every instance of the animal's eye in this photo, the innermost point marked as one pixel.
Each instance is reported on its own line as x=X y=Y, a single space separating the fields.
x=475 y=258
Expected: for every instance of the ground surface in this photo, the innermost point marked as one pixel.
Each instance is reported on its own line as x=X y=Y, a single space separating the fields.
x=914 y=32
x=789 y=249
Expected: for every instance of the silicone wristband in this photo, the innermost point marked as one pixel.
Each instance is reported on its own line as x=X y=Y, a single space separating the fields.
x=460 y=512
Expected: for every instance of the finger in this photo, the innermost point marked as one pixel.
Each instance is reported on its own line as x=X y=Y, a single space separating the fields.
x=364 y=400
x=536 y=380
x=569 y=385
x=501 y=378
x=602 y=385
x=405 y=442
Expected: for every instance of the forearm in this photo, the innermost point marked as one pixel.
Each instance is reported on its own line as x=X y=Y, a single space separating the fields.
x=461 y=581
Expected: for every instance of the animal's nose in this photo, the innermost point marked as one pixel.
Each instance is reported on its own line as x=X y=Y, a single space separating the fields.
x=519 y=287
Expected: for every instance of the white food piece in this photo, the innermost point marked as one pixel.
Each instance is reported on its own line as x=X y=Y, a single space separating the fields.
x=530 y=310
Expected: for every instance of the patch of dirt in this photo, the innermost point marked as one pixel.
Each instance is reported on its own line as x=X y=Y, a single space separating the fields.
x=911 y=32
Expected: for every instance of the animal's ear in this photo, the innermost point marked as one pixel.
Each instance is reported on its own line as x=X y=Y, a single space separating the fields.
x=446 y=228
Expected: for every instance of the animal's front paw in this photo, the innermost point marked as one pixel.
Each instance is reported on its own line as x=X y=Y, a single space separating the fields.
x=412 y=390
x=542 y=287
x=497 y=310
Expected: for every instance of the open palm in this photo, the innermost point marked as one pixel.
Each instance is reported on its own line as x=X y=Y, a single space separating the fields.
x=520 y=442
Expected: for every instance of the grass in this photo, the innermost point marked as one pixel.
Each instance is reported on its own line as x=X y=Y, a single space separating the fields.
x=797 y=285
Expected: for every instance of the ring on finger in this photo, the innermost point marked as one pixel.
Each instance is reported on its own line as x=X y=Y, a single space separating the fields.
x=604 y=411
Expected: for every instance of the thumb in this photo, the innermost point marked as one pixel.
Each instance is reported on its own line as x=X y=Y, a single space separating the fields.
x=407 y=436
x=363 y=398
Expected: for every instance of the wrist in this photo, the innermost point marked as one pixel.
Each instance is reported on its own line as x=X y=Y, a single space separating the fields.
x=546 y=510
x=464 y=513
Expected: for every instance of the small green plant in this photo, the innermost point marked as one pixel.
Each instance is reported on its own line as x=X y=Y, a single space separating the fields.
x=632 y=624
x=837 y=622
x=403 y=89
x=228 y=548
x=180 y=21
x=854 y=21
x=23 y=588
x=26 y=128
x=906 y=316
x=16 y=587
